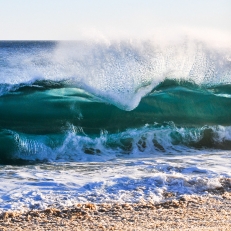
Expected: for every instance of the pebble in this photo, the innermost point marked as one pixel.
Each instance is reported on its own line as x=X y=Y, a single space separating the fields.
x=185 y=213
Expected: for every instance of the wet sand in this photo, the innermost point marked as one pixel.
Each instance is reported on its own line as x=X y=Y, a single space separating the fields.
x=186 y=213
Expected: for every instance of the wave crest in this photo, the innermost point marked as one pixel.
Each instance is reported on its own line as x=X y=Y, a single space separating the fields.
x=120 y=72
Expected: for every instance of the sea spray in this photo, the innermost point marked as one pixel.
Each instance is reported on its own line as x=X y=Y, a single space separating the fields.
x=121 y=71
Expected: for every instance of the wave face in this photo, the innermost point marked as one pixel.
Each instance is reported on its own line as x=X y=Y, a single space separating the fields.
x=77 y=101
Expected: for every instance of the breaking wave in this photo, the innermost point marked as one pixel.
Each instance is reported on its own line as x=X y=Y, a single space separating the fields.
x=99 y=100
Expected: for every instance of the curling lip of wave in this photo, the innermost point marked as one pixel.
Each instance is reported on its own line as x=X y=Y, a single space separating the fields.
x=185 y=103
x=121 y=72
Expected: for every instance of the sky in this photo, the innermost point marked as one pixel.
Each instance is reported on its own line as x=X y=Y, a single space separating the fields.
x=74 y=19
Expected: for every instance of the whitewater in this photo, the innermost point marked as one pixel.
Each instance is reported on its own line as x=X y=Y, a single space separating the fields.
x=107 y=121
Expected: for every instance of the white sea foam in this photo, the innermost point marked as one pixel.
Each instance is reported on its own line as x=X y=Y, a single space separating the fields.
x=143 y=173
x=121 y=180
x=150 y=140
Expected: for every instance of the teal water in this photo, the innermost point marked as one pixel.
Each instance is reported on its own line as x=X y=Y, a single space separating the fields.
x=39 y=117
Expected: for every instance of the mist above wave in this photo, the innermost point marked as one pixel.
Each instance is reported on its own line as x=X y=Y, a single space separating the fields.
x=121 y=72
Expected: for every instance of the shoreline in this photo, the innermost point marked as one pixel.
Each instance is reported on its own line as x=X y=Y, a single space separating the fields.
x=185 y=213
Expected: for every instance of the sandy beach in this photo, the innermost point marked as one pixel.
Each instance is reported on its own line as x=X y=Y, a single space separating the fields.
x=186 y=213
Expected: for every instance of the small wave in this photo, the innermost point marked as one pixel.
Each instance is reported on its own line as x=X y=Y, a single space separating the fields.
x=75 y=145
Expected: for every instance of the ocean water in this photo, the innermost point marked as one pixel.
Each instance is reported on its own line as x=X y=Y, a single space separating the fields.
x=107 y=121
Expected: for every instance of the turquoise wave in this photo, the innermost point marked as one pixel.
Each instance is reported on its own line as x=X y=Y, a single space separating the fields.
x=49 y=107
x=50 y=120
